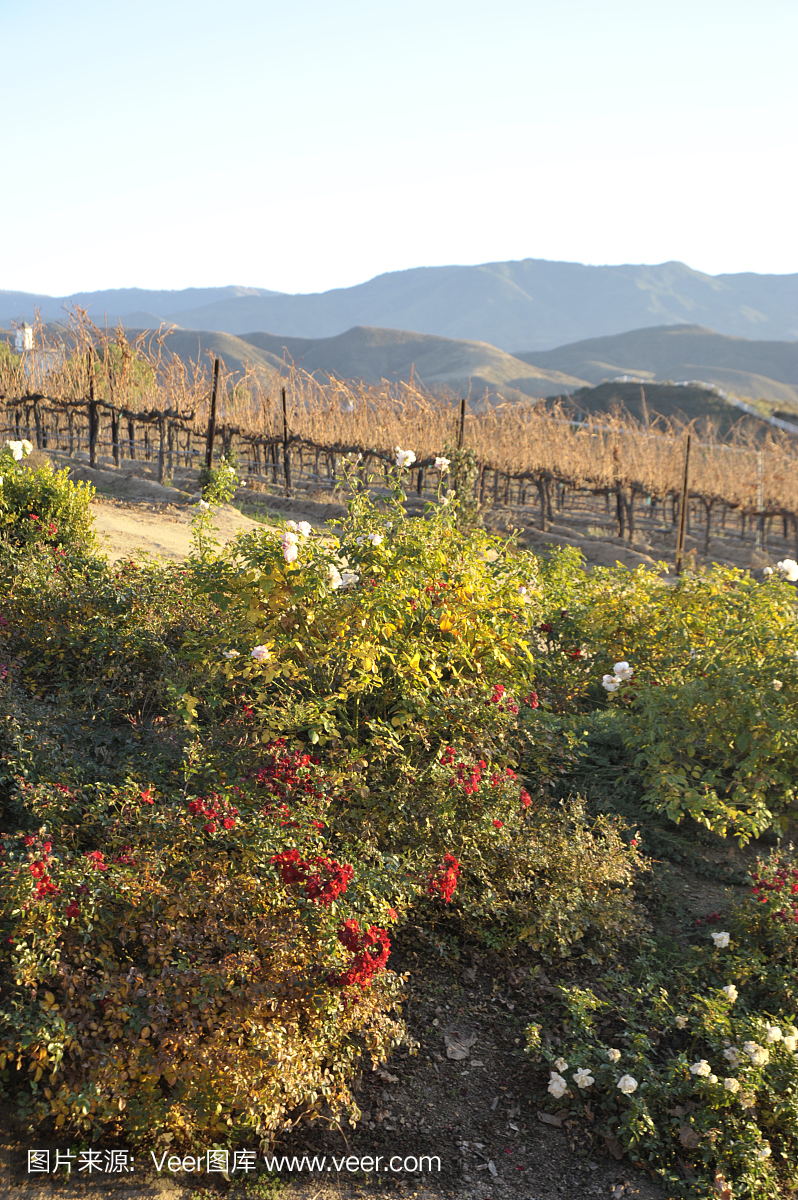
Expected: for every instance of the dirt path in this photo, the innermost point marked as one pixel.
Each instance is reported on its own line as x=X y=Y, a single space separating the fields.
x=162 y=530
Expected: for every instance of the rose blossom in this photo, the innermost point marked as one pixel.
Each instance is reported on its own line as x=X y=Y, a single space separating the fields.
x=261 y=653
x=583 y=1079
x=721 y=940
x=557 y=1085
x=730 y=991
x=627 y=1084
x=613 y=1055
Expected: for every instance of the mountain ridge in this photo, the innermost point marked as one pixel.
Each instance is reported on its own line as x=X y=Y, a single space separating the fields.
x=535 y=303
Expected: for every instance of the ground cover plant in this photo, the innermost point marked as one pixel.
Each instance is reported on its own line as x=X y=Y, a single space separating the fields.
x=228 y=782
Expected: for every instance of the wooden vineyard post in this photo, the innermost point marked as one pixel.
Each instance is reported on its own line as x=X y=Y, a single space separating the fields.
x=161 y=448
x=286 y=452
x=115 y=435
x=461 y=430
x=683 y=508
x=760 y=500
x=92 y=414
x=212 y=420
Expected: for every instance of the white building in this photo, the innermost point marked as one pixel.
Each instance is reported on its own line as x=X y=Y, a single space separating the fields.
x=23 y=338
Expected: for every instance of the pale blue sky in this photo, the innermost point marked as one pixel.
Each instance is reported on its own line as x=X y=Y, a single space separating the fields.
x=307 y=145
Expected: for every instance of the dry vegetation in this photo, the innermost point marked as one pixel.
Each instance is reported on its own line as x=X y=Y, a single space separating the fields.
x=149 y=403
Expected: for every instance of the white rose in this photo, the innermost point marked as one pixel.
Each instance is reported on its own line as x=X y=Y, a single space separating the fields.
x=610 y=683
x=557 y=1085
x=681 y=1022
x=627 y=1084
x=561 y=1064
x=613 y=1055
x=701 y=1067
x=334 y=576
x=404 y=458
x=763 y=1152
x=232 y=653
x=790 y=1043
x=731 y=1085
x=758 y=1054
x=730 y=991
x=721 y=940
x=349 y=579
x=623 y=670
x=789 y=567
x=773 y=1034
x=732 y=1056
x=442 y=464
x=375 y=539
x=582 y=1078
x=261 y=653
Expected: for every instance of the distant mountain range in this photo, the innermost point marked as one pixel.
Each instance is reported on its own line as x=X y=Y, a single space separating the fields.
x=534 y=304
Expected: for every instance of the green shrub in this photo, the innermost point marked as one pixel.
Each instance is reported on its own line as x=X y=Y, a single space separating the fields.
x=42 y=509
x=711 y=711
x=100 y=638
x=708 y=1035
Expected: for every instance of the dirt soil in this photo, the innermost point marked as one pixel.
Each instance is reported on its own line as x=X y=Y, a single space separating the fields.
x=136 y=513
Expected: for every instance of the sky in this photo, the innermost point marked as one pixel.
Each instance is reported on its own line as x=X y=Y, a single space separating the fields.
x=309 y=145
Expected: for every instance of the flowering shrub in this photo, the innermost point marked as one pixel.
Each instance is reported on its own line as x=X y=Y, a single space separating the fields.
x=693 y=1057
x=41 y=508
x=196 y=977
x=710 y=709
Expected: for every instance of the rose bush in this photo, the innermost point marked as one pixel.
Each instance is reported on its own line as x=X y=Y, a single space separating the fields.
x=178 y=967
x=709 y=1039
x=41 y=509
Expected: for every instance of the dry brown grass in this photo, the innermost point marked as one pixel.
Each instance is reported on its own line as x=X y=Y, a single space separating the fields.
x=142 y=379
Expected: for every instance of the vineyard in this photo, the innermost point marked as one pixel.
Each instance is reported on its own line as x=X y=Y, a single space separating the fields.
x=98 y=392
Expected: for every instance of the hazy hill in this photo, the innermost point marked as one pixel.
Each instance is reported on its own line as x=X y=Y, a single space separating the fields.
x=376 y=354
x=648 y=401
x=114 y=304
x=683 y=352
x=532 y=303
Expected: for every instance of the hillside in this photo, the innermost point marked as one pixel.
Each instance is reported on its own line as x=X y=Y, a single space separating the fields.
x=372 y=355
x=761 y=369
x=532 y=303
x=647 y=402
